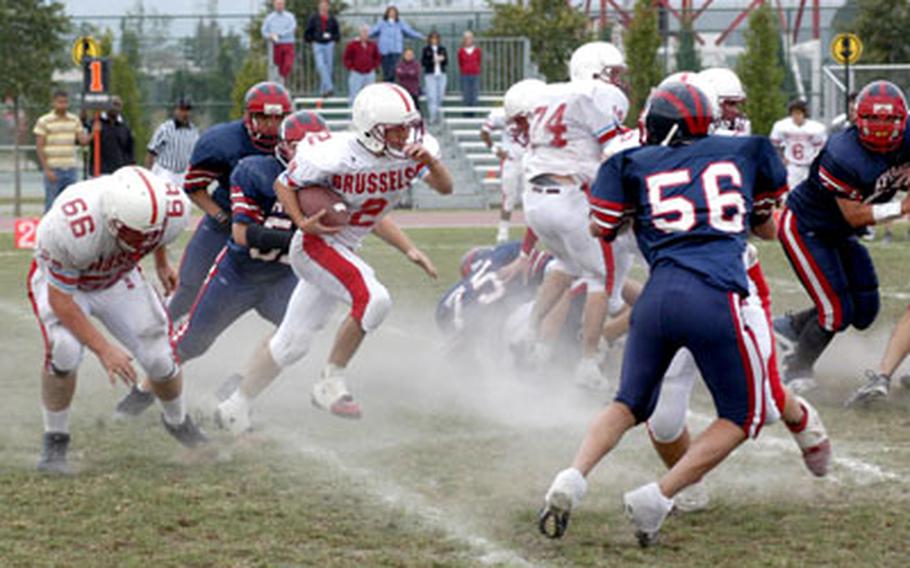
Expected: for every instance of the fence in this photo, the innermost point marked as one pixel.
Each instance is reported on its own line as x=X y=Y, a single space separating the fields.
x=835 y=84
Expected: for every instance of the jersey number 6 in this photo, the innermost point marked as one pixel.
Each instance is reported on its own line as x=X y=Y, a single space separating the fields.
x=677 y=214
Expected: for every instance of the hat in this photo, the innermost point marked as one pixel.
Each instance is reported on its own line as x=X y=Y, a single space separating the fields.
x=184 y=102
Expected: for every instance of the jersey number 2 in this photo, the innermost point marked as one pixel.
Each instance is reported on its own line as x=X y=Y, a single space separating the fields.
x=676 y=214
x=368 y=212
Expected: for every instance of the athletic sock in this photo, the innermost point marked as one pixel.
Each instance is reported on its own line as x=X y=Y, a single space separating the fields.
x=174 y=410
x=56 y=421
x=800 y=425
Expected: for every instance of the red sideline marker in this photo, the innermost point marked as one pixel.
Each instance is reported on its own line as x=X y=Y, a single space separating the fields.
x=25 y=230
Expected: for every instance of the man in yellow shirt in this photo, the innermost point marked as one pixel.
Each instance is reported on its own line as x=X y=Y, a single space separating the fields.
x=56 y=136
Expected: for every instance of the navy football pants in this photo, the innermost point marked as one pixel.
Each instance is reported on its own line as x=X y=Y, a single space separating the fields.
x=677 y=308
x=836 y=272
x=229 y=292
x=208 y=240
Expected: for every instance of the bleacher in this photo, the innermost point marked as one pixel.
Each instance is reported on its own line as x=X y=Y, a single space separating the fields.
x=474 y=167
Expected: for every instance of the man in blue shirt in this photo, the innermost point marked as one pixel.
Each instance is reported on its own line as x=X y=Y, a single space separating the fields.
x=279 y=27
x=693 y=199
x=850 y=187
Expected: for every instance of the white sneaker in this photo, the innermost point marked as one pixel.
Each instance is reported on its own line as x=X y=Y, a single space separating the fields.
x=692 y=499
x=588 y=375
x=233 y=415
x=813 y=441
x=564 y=495
x=331 y=394
x=647 y=508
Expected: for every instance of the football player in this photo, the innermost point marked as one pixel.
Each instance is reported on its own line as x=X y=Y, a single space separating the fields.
x=214 y=156
x=86 y=264
x=849 y=188
x=693 y=200
x=799 y=139
x=729 y=98
x=511 y=121
x=370 y=168
x=252 y=271
x=571 y=124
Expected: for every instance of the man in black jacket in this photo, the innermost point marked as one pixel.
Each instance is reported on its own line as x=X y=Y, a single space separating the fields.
x=434 y=60
x=322 y=32
x=116 y=139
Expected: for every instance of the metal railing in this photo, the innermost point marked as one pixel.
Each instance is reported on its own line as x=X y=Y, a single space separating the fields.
x=834 y=84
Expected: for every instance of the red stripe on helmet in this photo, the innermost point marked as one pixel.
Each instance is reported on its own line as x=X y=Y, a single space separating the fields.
x=701 y=113
x=680 y=106
x=405 y=98
x=148 y=186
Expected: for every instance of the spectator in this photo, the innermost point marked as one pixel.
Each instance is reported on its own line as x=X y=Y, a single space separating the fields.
x=407 y=74
x=361 y=57
x=170 y=147
x=434 y=61
x=469 y=57
x=279 y=27
x=116 y=139
x=391 y=31
x=322 y=31
x=56 y=136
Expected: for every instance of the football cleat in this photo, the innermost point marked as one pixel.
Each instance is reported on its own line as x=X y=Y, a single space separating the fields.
x=692 y=499
x=812 y=439
x=332 y=395
x=233 y=415
x=875 y=389
x=647 y=508
x=133 y=403
x=564 y=495
x=53 y=454
x=589 y=376
x=228 y=386
x=187 y=433
x=786 y=333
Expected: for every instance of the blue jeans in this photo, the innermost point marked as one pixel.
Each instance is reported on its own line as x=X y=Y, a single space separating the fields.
x=389 y=62
x=435 y=86
x=322 y=53
x=65 y=178
x=357 y=81
x=470 y=87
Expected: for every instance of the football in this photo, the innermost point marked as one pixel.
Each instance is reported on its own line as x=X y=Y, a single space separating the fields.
x=315 y=198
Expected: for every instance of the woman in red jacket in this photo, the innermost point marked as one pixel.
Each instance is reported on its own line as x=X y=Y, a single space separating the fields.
x=469 y=57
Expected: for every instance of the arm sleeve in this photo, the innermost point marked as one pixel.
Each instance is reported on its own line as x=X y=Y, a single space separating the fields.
x=607 y=113
x=301 y=173
x=407 y=30
x=775 y=135
x=309 y=33
x=244 y=208
x=40 y=128
x=206 y=165
x=607 y=198
x=333 y=26
x=838 y=176
x=157 y=142
x=266 y=24
x=770 y=181
x=347 y=57
x=54 y=257
x=374 y=31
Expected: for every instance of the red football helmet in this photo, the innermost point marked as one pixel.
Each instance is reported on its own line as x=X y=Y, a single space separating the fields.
x=881 y=116
x=295 y=128
x=265 y=104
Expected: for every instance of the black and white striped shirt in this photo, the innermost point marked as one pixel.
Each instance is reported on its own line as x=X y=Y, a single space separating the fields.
x=172 y=146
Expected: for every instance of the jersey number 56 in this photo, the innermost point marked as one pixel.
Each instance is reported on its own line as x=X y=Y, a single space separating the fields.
x=677 y=213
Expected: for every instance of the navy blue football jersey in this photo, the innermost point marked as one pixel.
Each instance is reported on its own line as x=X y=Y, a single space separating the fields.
x=692 y=204
x=846 y=169
x=482 y=288
x=253 y=200
x=215 y=155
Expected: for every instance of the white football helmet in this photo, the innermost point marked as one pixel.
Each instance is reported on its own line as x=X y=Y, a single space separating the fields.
x=726 y=91
x=597 y=60
x=381 y=107
x=135 y=208
x=519 y=99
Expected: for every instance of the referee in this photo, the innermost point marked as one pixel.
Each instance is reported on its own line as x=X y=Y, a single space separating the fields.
x=170 y=147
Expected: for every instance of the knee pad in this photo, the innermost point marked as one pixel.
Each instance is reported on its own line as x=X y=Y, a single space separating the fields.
x=666 y=427
x=378 y=307
x=288 y=347
x=157 y=358
x=66 y=353
x=865 y=308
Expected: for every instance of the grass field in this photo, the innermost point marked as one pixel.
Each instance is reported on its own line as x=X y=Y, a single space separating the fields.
x=448 y=466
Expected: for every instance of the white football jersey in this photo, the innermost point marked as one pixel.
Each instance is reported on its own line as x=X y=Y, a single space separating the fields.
x=370 y=185
x=628 y=139
x=79 y=252
x=570 y=126
x=510 y=139
x=800 y=143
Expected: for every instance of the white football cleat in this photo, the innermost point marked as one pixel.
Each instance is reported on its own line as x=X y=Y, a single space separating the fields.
x=564 y=495
x=588 y=375
x=812 y=439
x=331 y=394
x=233 y=415
x=692 y=499
x=647 y=508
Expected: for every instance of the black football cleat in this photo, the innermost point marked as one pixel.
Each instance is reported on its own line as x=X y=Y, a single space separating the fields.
x=53 y=454
x=134 y=403
x=187 y=433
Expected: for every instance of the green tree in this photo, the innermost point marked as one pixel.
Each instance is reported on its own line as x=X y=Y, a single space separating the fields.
x=881 y=25
x=554 y=29
x=642 y=40
x=761 y=72
x=687 y=57
x=27 y=65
